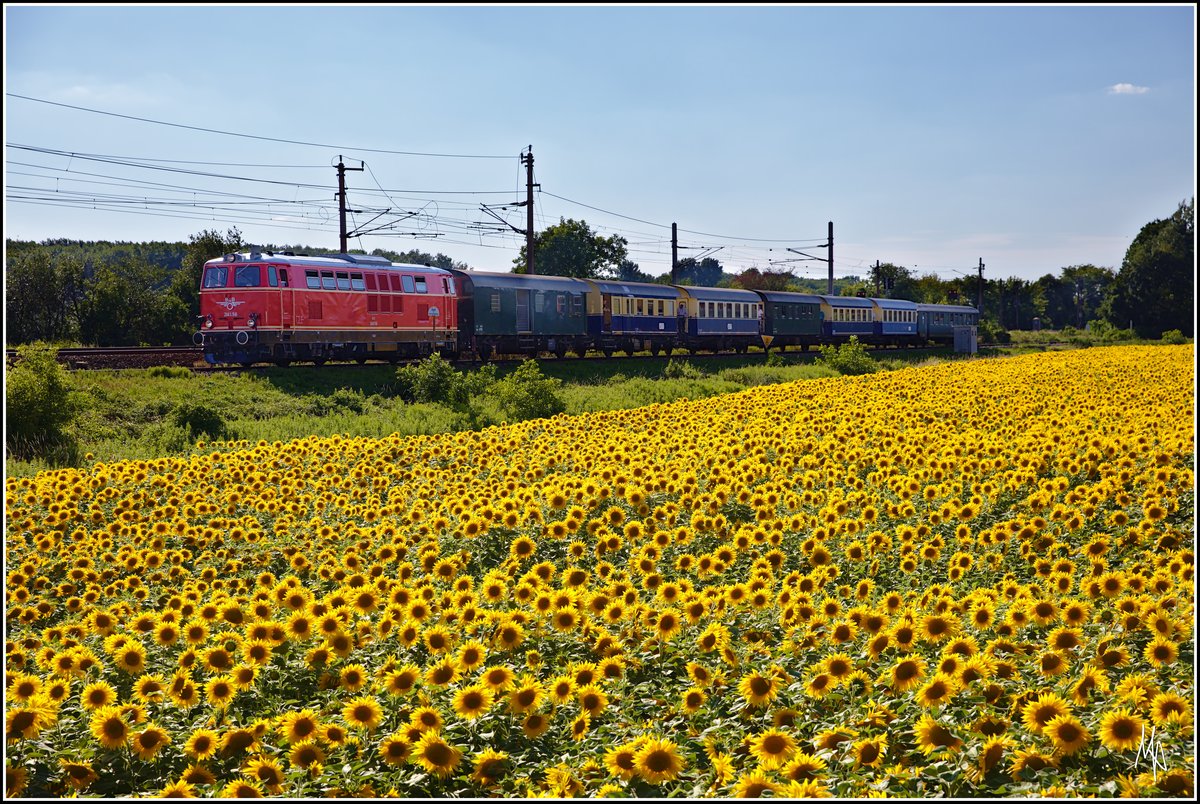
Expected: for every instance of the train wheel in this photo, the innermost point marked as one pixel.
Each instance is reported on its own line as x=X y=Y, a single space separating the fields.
x=283 y=362
x=360 y=360
x=319 y=361
x=607 y=352
x=560 y=353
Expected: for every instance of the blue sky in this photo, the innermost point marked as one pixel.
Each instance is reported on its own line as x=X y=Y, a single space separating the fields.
x=1031 y=137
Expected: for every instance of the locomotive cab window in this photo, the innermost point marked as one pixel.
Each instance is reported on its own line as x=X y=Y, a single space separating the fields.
x=421 y=285
x=247 y=276
x=272 y=276
x=216 y=277
x=407 y=281
x=283 y=277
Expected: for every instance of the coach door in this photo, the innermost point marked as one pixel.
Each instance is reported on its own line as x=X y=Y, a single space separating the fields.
x=607 y=309
x=523 y=311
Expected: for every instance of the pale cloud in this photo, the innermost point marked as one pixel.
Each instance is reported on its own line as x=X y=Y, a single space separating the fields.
x=1127 y=89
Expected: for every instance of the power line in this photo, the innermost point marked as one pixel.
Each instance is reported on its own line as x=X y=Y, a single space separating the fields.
x=251 y=136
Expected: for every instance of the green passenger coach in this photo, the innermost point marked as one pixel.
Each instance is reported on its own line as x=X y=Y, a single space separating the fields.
x=521 y=314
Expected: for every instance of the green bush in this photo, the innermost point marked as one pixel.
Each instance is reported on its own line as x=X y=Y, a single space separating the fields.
x=39 y=406
x=849 y=358
x=431 y=380
x=681 y=370
x=528 y=394
x=197 y=418
x=1173 y=336
x=990 y=331
x=1101 y=330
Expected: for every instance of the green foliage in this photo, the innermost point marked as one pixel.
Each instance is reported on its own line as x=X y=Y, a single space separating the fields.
x=990 y=331
x=432 y=380
x=197 y=419
x=528 y=394
x=775 y=359
x=39 y=404
x=38 y=296
x=1173 y=336
x=705 y=273
x=176 y=372
x=754 y=279
x=571 y=248
x=1155 y=288
x=340 y=400
x=1104 y=332
x=849 y=358
x=681 y=369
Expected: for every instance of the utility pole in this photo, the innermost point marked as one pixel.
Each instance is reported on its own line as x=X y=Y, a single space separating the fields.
x=828 y=257
x=979 y=304
x=830 y=245
x=527 y=161
x=341 y=195
x=674 y=254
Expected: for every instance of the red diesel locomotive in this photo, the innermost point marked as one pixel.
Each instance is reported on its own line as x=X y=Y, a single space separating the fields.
x=280 y=307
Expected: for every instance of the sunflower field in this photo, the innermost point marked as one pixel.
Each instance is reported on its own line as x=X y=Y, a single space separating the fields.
x=968 y=579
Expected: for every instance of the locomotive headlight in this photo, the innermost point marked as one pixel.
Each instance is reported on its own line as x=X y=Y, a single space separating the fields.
x=253 y=321
x=208 y=322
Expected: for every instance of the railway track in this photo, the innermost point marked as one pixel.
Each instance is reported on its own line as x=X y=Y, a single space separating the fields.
x=191 y=357
x=124 y=357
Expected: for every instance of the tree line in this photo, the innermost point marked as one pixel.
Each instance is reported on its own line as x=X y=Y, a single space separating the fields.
x=130 y=294
x=124 y=294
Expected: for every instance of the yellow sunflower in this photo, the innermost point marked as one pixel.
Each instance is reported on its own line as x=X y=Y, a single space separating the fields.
x=773 y=748
x=436 y=755
x=658 y=761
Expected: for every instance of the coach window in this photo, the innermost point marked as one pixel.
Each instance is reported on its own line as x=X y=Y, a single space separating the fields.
x=247 y=276
x=421 y=285
x=408 y=284
x=215 y=277
x=560 y=304
x=577 y=304
x=327 y=280
x=539 y=302
x=357 y=283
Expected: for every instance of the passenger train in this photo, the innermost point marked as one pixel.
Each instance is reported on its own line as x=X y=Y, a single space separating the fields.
x=258 y=307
